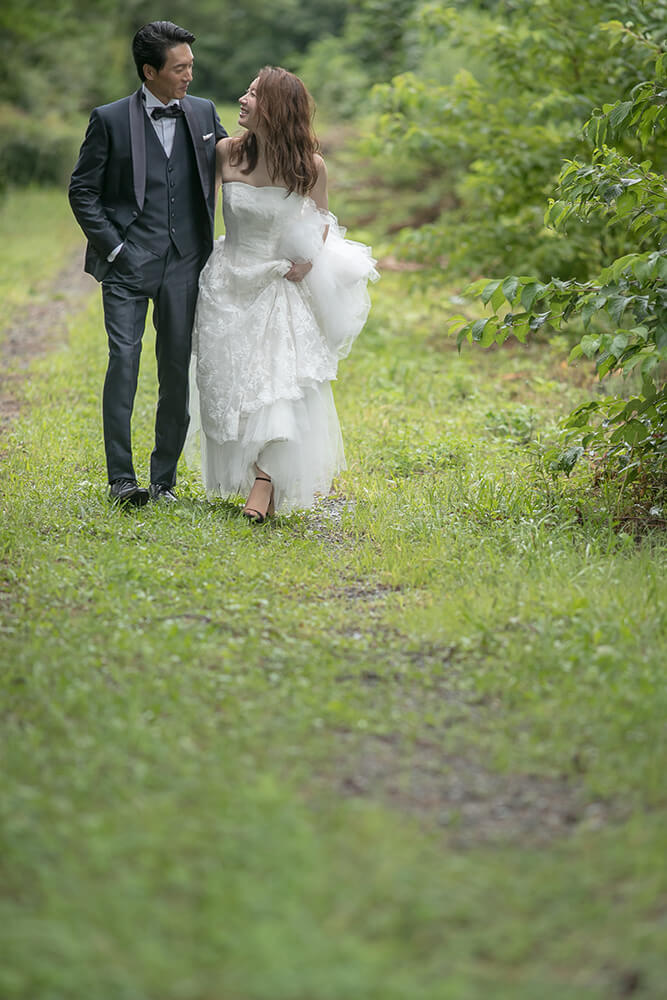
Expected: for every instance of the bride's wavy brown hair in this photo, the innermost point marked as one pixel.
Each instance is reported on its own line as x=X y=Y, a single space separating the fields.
x=284 y=112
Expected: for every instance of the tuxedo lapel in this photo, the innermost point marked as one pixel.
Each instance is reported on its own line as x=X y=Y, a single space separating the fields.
x=138 y=146
x=200 y=156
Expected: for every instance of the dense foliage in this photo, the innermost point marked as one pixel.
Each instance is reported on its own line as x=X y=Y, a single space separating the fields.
x=496 y=134
x=623 y=308
x=491 y=100
x=60 y=59
x=71 y=55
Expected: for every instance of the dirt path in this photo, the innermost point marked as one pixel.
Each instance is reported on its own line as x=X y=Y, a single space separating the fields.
x=39 y=328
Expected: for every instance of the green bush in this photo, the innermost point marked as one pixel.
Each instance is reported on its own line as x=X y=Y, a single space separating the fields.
x=335 y=77
x=625 y=436
x=497 y=137
x=35 y=150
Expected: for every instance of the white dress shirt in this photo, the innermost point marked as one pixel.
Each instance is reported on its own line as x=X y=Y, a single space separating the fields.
x=165 y=129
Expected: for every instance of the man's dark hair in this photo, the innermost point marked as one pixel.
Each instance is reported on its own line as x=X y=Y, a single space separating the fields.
x=152 y=42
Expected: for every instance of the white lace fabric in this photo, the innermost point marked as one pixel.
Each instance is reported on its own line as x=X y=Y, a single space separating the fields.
x=265 y=349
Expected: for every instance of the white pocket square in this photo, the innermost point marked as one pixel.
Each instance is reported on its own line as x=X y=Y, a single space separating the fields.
x=209 y=135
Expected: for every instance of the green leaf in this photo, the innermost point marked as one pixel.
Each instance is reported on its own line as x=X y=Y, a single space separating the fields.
x=616 y=306
x=590 y=345
x=580 y=416
x=649 y=389
x=625 y=204
x=643 y=269
x=456 y=322
x=620 y=114
x=488 y=290
x=614 y=271
x=530 y=292
x=632 y=406
x=498 y=298
x=489 y=333
x=616 y=26
x=510 y=286
x=635 y=360
x=649 y=363
x=477 y=329
x=463 y=333
x=539 y=319
x=619 y=343
x=474 y=289
x=567 y=459
x=615 y=408
x=556 y=213
x=606 y=363
x=632 y=432
x=601 y=297
x=587 y=313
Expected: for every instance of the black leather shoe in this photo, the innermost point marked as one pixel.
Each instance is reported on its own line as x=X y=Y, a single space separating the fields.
x=126 y=491
x=162 y=493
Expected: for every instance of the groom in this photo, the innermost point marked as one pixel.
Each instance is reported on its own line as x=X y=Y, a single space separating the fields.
x=143 y=191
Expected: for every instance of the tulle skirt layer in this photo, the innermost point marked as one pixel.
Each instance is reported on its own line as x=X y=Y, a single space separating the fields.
x=298 y=443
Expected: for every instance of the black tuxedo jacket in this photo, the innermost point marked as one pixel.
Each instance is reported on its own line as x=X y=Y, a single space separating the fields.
x=108 y=184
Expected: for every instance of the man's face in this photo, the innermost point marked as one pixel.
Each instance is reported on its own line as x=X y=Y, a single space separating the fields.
x=172 y=81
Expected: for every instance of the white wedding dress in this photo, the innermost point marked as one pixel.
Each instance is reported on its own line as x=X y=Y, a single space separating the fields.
x=265 y=349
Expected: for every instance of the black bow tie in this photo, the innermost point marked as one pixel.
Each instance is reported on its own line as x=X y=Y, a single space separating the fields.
x=171 y=111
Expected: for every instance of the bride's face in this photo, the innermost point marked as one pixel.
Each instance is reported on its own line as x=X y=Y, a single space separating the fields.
x=248 y=104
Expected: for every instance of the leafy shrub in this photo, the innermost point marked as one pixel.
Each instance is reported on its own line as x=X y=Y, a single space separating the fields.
x=497 y=139
x=628 y=436
x=336 y=77
x=35 y=151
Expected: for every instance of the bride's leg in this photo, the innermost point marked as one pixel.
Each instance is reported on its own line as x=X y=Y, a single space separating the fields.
x=260 y=499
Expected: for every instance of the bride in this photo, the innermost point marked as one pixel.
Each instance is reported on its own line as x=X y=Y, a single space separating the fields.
x=281 y=300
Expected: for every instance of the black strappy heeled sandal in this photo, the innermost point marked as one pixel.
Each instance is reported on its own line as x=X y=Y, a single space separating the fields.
x=256 y=516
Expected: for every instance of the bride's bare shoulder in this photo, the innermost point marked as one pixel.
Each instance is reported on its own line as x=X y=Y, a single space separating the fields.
x=319 y=192
x=223 y=147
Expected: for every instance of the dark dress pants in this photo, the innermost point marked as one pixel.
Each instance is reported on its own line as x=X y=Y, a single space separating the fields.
x=170 y=281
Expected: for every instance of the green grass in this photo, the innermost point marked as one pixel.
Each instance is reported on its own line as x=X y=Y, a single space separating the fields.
x=409 y=746
x=38 y=238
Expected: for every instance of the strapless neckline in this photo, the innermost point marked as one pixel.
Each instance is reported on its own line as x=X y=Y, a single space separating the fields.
x=256 y=187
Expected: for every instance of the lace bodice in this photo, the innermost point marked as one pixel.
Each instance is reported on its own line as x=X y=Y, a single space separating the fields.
x=256 y=219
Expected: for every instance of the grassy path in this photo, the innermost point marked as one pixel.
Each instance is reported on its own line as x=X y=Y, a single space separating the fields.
x=409 y=745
